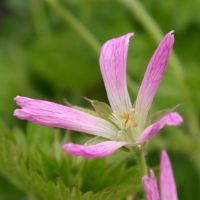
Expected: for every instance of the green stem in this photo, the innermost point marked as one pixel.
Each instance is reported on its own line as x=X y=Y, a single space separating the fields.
x=142 y=162
x=150 y=25
x=76 y=24
x=39 y=18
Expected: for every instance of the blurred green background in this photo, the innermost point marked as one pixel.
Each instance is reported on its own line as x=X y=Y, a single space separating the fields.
x=49 y=49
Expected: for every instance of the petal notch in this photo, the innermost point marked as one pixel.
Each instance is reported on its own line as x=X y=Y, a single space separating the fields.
x=51 y=114
x=150 y=186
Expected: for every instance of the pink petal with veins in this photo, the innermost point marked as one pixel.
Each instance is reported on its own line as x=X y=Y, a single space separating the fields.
x=170 y=119
x=93 y=151
x=112 y=61
x=153 y=76
x=55 y=115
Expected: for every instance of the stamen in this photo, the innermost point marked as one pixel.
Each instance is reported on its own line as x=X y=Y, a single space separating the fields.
x=125 y=120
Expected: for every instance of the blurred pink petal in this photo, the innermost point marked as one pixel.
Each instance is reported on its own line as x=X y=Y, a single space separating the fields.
x=55 y=115
x=167 y=183
x=150 y=186
x=170 y=119
x=93 y=151
x=153 y=76
x=113 y=69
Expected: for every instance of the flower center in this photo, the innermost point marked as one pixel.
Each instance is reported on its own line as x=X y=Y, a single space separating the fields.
x=125 y=120
x=128 y=120
x=127 y=124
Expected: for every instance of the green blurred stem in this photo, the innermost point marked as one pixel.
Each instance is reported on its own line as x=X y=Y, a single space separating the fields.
x=39 y=18
x=142 y=161
x=138 y=10
x=76 y=24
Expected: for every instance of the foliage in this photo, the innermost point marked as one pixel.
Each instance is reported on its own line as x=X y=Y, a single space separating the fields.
x=36 y=165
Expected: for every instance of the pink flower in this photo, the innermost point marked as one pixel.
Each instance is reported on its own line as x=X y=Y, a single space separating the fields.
x=125 y=125
x=167 y=183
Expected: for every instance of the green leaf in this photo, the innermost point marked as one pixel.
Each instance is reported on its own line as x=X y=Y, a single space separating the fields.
x=30 y=163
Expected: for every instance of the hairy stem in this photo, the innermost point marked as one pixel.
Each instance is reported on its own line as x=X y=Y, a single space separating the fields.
x=142 y=162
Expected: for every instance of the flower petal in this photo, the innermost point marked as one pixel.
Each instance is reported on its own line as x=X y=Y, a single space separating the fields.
x=167 y=183
x=93 y=151
x=113 y=69
x=55 y=115
x=151 y=187
x=170 y=119
x=153 y=76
